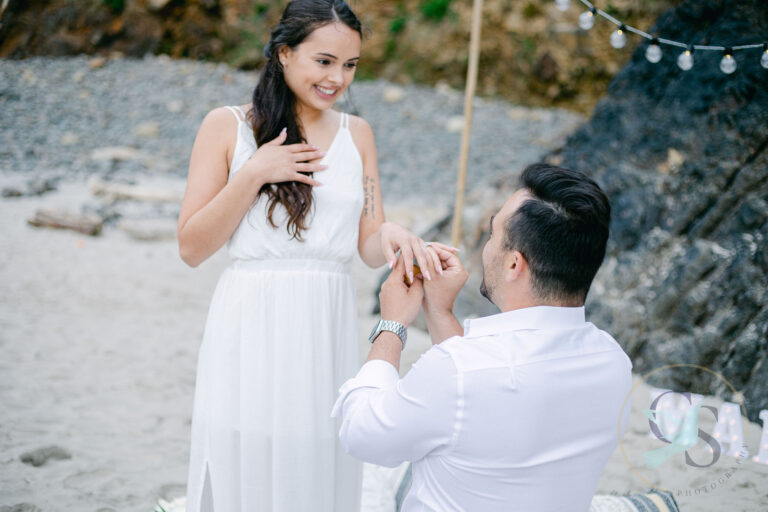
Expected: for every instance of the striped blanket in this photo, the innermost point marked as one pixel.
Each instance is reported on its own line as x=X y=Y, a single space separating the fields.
x=653 y=501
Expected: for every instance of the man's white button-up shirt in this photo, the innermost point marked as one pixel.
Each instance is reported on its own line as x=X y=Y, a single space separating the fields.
x=519 y=414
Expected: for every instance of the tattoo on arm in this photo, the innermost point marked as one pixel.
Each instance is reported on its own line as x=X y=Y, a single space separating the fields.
x=369 y=188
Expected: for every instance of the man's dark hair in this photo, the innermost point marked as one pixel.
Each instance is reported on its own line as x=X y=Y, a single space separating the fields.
x=562 y=231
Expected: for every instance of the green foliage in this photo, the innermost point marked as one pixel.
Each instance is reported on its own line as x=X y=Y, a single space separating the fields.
x=260 y=9
x=531 y=10
x=116 y=6
x=390 y=48
x=397 y=24
x=529 y=44
x=434 y=10
x=364 y=73
x=246 y=53
x=612 y=10
x=527 y=50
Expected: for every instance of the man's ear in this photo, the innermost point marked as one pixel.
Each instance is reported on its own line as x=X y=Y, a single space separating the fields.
x=515 y=266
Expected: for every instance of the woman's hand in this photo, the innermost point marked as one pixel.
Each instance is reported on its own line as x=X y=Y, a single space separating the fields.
x=275 y=163
x=396 y=238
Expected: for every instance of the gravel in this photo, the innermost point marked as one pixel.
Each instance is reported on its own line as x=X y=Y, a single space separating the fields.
x=55 y=112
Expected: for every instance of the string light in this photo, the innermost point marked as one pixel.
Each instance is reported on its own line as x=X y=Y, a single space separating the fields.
x=685 y=59
x=728 y=63
x=619 y=37
x=762 y=455
x=587 y=19
x=729 y=429
x=653 y=53
x=764 y=58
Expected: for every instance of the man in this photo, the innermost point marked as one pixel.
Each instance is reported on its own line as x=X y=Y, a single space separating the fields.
x=521 y=411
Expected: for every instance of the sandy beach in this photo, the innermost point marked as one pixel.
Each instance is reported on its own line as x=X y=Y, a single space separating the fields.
x=99 y=342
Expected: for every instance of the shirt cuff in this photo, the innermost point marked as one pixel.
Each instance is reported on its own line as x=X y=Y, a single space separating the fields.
x=373 y=374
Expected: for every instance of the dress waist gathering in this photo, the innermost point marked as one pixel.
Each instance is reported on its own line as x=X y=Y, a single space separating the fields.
x=291 y=265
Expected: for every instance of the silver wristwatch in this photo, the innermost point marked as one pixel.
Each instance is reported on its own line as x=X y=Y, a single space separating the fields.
x=389 y=325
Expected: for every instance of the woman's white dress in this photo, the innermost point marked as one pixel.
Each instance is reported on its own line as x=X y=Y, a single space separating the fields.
x=280 y=338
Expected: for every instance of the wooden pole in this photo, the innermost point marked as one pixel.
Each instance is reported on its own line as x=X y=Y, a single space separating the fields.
x=469 y=95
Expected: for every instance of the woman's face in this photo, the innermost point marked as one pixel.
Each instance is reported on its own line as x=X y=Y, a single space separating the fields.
x=321 y=68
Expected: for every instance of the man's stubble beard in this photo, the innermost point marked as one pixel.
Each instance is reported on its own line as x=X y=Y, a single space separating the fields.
x=484 y=291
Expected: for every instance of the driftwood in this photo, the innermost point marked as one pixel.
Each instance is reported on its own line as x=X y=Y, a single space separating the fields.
x=148 y=230
x=86 y=224
x=120 y=154
x=118 y=191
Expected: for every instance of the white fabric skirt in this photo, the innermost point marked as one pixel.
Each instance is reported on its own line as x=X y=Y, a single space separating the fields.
x=280 y=339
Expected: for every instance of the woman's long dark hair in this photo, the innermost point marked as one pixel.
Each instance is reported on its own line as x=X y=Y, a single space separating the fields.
x=274 y=104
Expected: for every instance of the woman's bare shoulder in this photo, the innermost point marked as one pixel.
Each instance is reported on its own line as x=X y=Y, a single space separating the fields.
x=362 y=133
x=217 y=134
x=358 y=124
x=219 y=118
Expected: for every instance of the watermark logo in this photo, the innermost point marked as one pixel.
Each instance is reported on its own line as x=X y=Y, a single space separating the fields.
x=683 y=437
x=688 y=446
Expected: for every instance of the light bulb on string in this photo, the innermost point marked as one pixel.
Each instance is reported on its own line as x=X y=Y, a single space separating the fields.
x=587 y=19
x=728 y=63
x=764 y=58
x=653 y=52
x=562 y=5
x=619 y=37
x=685 y=59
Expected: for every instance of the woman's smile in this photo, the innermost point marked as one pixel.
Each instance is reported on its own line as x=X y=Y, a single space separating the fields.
x=327 y=93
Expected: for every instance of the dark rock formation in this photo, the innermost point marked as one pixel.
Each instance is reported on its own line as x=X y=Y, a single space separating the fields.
x=682 y=154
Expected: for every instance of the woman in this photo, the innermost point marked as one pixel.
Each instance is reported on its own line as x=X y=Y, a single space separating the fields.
x=293 y=188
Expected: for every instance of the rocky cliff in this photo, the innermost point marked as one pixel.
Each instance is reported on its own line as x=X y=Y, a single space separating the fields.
x=683 y=157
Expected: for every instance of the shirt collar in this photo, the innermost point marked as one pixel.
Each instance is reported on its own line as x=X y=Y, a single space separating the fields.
x=537 y=317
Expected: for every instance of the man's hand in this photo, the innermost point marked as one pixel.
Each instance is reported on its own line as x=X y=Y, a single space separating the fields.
x=440 y=293
x=399 y=301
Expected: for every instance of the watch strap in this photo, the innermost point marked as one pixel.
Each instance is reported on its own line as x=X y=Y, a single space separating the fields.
x=391 y=326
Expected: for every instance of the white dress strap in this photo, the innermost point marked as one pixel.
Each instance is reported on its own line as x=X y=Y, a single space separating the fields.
x=344 y=120
x=238 y=112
